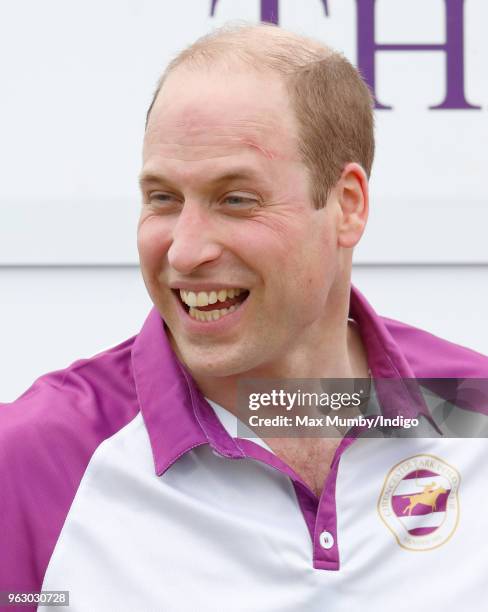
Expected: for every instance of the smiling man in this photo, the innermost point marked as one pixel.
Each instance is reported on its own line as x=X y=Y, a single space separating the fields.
x=249 y=273
x=126 y=482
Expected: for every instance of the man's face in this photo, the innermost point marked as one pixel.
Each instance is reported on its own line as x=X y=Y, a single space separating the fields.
x=227 y=205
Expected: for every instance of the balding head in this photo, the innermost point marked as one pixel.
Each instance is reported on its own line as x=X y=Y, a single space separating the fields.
x=332 y=104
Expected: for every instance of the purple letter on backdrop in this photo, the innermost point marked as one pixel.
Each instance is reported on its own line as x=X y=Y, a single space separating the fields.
x=269 y=10
x=453 y=48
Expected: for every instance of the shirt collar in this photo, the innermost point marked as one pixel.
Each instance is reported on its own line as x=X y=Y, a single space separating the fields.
x=175 y=413
x=178 y=418
x=395 y=383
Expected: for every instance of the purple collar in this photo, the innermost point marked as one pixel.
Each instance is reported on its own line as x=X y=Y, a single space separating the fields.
x=178 y=418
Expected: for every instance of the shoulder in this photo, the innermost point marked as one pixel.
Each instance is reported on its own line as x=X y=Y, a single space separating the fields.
x=90 y=398
x=47 y=437
x=432 y=357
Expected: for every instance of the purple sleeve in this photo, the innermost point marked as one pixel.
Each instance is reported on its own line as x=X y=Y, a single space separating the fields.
x=453 y=372
x=47 y=437
x=432 y=357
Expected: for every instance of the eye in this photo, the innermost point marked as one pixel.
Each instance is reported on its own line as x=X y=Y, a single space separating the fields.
x=161 y=199
x=240 y=200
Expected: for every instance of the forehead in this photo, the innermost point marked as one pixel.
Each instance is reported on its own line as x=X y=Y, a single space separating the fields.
x=209 y=113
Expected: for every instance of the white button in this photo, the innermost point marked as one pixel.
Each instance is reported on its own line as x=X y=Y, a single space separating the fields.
x=326 y=540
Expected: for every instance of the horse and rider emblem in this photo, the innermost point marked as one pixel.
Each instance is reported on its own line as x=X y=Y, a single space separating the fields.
x=419 y=502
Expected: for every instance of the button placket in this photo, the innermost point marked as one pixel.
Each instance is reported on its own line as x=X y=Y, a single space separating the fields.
x=325 y=544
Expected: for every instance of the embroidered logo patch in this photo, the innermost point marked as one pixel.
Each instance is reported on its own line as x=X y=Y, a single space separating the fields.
x=419 y=502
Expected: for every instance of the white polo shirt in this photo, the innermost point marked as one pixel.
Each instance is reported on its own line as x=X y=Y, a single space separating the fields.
x=216 y=533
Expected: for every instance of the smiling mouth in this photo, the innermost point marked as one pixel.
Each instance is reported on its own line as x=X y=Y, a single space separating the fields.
x=209 y=306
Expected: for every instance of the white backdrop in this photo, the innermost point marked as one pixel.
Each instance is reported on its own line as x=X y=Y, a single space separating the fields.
x=76 y=79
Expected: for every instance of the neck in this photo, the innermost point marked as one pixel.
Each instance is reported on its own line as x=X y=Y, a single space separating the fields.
x=336 y=352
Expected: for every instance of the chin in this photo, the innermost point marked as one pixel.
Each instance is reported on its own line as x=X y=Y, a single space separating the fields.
x=212 y=366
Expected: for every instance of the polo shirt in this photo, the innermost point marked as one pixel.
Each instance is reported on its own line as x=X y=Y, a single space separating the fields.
x=122 y=484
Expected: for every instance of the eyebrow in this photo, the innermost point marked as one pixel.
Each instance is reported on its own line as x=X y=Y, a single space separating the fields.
x=227 y=177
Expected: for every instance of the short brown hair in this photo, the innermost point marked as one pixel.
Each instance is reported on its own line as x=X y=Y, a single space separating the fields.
x=332 y=103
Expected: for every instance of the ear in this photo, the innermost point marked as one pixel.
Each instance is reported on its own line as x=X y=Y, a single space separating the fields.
x=353 y=199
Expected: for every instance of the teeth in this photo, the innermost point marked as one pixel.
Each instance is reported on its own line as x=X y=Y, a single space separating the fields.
x=211 y=315
x=189 y=298
x=204 y=298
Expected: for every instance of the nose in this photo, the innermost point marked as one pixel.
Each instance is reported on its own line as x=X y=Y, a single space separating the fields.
x=193 y=239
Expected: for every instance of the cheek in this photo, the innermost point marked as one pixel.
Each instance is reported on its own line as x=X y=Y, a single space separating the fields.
x=315 y=264
x=269 y=240
x=153 y=242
